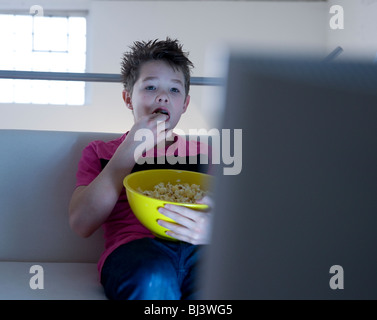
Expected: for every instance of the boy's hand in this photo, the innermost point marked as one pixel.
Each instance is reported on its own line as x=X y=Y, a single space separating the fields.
x=156 y=123
x=192 y=226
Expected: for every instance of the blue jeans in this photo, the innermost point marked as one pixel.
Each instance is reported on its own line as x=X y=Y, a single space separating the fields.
x=151 y=269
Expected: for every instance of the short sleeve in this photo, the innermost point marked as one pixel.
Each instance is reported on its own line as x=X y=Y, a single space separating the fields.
x=89 y=166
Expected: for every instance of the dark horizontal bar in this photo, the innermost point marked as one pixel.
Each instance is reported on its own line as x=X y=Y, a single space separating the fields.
x=90 y=77
x=65 y=76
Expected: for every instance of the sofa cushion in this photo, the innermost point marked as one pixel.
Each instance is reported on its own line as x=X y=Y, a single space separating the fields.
x=61 y=281
x=38 y=170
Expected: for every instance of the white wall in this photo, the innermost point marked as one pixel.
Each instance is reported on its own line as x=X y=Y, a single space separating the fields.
x=114 y=25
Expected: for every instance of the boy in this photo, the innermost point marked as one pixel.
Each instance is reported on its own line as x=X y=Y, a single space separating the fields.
x=135 y=264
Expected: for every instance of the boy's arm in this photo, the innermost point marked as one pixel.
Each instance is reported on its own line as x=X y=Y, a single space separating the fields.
x=91 y=205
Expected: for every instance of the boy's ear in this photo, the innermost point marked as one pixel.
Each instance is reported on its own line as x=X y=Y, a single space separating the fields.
x=127 y=99
x=185 y=105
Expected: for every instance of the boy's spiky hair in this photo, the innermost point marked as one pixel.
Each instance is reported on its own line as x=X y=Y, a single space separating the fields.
x=143 y=51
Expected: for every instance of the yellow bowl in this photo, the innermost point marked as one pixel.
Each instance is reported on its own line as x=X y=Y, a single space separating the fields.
x=145 y=208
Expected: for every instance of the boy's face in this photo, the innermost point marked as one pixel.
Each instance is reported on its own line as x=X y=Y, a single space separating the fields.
x=159 y=88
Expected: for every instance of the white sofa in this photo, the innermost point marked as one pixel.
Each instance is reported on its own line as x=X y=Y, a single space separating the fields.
x=36 y=182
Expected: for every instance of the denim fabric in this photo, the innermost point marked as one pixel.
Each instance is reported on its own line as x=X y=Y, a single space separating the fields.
x=151 y=269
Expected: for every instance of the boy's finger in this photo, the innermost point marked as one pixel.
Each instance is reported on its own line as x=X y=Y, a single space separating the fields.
x=159 y=117
x=206 y=200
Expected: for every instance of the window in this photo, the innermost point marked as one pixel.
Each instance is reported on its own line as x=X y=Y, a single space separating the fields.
x=42 y=43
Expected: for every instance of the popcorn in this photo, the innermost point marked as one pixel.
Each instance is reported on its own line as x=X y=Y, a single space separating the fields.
x=184 y=193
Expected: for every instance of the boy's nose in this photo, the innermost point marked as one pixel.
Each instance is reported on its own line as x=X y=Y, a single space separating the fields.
x=162 y=98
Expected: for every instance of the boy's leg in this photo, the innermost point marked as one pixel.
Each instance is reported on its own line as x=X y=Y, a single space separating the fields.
x=191 y=257
x=140 y=270
x=185 y=258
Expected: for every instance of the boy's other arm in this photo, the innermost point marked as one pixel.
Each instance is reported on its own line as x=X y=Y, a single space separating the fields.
x=91 y=205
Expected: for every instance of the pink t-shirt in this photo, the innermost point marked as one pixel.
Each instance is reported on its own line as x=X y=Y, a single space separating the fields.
x=122 y=225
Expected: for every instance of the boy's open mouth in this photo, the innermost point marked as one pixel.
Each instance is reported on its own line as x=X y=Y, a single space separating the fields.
x=162 y=111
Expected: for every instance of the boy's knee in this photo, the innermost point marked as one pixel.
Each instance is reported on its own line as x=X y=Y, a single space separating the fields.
x=157 y=282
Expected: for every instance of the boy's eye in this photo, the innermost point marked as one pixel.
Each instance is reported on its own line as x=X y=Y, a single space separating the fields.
x=150 y=88
x=175 y=90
